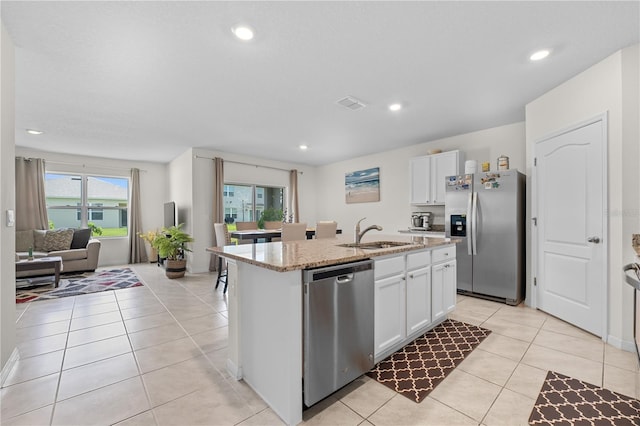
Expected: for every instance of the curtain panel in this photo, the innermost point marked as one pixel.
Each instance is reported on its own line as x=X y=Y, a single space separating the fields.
x=217 y=208
x=137 y=250
x=293 y=190
x=31 y=201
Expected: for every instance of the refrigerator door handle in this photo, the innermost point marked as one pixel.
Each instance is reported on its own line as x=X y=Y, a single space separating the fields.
x=474 y=221
x=469 y=224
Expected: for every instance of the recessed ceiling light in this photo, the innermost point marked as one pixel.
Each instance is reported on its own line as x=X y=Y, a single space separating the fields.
x=395 y=107
x=540 y=54
x=303 y=147
x=243 y=32
x=34 y=132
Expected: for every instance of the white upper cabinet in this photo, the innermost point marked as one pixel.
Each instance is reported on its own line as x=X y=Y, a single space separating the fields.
x=428 y=173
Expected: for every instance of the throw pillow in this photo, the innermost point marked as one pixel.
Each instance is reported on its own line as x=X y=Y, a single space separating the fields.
x=38 y=239
x=81 y=238
x=24 y=240
x=58 y=239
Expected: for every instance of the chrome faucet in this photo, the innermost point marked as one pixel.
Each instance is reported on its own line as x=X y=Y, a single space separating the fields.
x=359 y=234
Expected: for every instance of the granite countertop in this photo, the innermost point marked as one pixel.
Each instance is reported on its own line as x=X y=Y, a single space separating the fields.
x=298 y=255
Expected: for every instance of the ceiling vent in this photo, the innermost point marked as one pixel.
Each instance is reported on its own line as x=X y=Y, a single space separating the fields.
x=351 y=103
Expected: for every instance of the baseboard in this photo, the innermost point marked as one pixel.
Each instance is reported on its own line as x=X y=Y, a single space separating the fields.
x=625 y=345
x=234 y=370
x=8 y=366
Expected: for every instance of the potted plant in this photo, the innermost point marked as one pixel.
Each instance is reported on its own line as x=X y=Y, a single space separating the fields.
x=270 y=215
x=171 y=245
x=149 y=237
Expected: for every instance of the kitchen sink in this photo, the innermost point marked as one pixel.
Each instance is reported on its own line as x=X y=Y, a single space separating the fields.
x=376 y=245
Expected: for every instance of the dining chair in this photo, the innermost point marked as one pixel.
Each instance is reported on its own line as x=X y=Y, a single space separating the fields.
x=294 y=231
x=222 y=239
x=245 y=226
x=272 y=224
x=326 y=229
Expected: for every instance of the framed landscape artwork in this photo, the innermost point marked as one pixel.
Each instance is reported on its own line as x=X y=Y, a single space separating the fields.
x=362 y=186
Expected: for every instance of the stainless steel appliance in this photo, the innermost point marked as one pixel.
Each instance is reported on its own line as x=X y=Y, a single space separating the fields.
x=486 y=212
x=421 y=221
x=338 y=327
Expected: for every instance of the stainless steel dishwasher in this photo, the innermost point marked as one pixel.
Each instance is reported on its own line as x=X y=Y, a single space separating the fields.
x=338 y=327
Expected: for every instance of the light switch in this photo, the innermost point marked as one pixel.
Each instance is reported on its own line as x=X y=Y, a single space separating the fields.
x=11 y=218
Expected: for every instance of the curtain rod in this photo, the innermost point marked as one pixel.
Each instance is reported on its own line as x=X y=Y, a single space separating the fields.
x=62 y=163
x=247 y=164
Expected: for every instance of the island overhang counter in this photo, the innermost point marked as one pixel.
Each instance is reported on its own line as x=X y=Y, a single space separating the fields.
x=265 y=308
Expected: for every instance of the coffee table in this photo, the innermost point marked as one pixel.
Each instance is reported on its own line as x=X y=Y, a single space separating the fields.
x=42 y=263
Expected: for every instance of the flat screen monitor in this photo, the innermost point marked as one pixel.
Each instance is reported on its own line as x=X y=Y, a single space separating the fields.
x=169 y=214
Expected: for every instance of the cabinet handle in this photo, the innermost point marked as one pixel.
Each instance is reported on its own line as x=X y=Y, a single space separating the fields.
x=410 y=275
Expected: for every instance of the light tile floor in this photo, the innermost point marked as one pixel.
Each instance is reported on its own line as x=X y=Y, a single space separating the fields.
x=155 y=355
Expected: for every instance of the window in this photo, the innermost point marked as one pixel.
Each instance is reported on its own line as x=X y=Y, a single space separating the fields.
x=76 y=201
x=247 y=203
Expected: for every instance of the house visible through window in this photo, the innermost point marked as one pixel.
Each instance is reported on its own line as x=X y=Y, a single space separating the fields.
x=81 y=201
x=246 y=203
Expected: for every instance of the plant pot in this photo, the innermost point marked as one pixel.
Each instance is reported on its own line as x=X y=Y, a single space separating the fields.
x=154 y=256
x=175 y=268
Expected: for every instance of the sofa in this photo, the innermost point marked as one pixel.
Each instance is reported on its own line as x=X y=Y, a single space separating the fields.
x=79 y=252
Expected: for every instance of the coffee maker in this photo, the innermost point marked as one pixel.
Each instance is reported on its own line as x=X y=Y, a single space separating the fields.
x=421 y=220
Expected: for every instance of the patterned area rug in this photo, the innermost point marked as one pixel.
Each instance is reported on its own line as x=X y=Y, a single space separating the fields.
x=419 y=367
x=41 y=288
x=567 y=401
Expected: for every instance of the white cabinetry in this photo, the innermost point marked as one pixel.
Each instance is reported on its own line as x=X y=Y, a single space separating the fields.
x=418 y=291
x=428 y=173
x=443 y=282
x=409 y=297
x=389 y=302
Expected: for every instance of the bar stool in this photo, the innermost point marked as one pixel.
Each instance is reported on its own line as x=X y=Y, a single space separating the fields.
x=222 y=239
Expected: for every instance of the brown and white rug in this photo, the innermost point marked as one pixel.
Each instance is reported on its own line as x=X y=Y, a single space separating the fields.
x=419 y=367
x=567 y=401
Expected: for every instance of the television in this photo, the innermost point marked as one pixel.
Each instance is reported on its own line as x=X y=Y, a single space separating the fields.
x=169 y=214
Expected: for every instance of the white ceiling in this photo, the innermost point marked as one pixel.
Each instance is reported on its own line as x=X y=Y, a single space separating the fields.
x=148 y=80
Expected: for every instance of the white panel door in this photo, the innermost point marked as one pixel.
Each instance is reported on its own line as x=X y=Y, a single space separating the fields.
x=442 y=165
x=420 y=180
x=570 y=182
x=389 y=319
x=418 y=299
x=438 y=291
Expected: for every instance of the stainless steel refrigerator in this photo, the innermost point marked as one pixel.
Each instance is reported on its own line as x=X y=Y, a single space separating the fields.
x=486 y=212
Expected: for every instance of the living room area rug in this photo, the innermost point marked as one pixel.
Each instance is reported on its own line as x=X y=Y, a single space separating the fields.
x=41 y=288
x=564 y=400
x=415 y=370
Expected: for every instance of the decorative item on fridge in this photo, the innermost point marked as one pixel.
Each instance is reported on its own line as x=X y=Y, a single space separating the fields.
x=486 y=166
x=503 y=162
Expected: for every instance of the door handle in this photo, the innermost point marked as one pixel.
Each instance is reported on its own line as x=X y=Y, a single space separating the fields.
x=594 y=240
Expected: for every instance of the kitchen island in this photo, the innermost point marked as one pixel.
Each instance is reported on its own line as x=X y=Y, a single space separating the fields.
x=265 y=307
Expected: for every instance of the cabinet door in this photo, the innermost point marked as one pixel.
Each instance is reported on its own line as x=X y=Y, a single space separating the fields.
x=443 y=289
x=437 y=291
x=420 y=180
x=389 y=320
x=442 y=165
x=418 y=299
x=450 y=286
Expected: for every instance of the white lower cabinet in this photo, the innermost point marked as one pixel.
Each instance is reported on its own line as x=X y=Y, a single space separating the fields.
x=389 y=312
x=418 y=299
x=443 y=289
x=411 y=296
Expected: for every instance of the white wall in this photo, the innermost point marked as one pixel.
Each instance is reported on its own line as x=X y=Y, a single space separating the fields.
x=7 y=201
x=393 y=211
x=191 y=176
x=598 y=90
x=153 y=190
